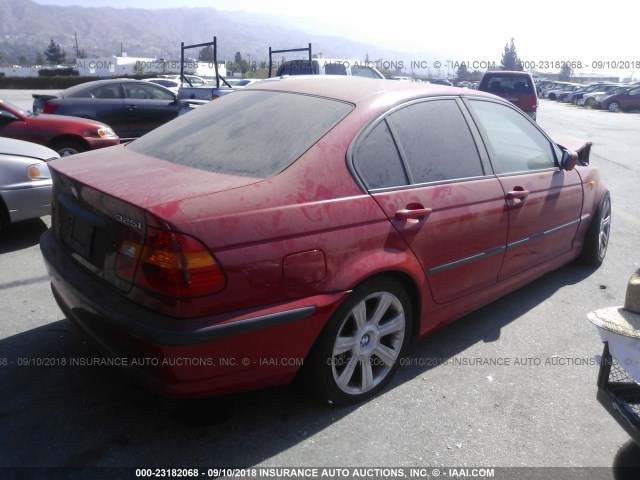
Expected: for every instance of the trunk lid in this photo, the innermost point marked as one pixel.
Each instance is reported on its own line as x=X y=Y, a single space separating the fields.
x=100 y=212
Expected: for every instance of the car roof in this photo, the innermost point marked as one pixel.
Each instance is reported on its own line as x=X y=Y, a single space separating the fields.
x=96 y=83
x=510 y=72
x=356 y=89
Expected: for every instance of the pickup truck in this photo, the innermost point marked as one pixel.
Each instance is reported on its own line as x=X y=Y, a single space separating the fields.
x=201 y=93
x=322 y=66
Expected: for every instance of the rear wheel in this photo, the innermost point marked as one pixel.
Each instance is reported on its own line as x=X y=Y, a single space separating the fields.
x=68 y=147
x=358 y=352
x=597 y=237
x=614 y=107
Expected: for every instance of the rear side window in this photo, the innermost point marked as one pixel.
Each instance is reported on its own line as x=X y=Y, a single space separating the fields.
x=377 y=160
x=247 y=133
x=436 y=141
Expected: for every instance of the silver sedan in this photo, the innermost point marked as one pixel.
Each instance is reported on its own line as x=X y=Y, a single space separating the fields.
x=25 y=181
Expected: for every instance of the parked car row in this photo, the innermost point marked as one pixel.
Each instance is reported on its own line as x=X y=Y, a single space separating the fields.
x=614 y=97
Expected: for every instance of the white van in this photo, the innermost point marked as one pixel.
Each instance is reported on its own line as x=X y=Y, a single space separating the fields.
x=328 y=66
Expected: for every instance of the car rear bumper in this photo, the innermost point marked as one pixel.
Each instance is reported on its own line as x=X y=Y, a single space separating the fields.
x=188 y=357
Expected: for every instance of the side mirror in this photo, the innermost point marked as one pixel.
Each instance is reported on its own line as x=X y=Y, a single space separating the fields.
x=568 y=160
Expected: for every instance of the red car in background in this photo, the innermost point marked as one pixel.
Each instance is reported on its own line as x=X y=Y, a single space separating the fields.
x=312 y=226
x=628 y=99
x=516 y=87
x=65 y=135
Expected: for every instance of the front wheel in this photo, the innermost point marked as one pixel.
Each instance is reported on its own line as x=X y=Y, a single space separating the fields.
x=614 y=107
x=68 y=147
x=597 y=238
x=358 y=352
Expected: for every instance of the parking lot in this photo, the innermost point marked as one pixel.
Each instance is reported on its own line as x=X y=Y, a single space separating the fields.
x=509 y=385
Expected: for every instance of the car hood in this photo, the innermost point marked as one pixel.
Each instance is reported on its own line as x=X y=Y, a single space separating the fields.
x=142 y=180
x=46 y=118
x=10 y=146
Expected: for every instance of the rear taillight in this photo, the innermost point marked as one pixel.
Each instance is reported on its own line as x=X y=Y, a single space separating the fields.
x=49 y=107
x=534 y=102
x=173 y=264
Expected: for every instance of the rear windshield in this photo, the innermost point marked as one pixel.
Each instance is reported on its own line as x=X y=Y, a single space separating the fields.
x=507 y=83
x=247 y=133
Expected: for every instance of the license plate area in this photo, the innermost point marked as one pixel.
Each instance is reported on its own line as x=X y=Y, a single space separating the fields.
x=79 y=229
x=81 y=236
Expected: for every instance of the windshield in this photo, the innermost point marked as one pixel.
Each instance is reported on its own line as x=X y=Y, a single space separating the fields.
x=247 y=133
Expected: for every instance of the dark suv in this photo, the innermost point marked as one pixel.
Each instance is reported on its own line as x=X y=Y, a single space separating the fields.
x=517 y=87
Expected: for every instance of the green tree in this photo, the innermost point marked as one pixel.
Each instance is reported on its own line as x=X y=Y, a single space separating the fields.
x=206 y=54
x=462 y=73
x=510 y=59
x=566 y=72
x=138 y=69
x=54 y=53
x=241 y=63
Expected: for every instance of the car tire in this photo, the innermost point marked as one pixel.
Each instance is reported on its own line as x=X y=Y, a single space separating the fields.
x=68 y=147
x=552 y=96
x=358 y=351
x=597 y=237
x=614 y=107
x=590 y=103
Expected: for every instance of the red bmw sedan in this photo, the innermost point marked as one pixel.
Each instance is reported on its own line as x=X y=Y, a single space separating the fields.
x=312 y=226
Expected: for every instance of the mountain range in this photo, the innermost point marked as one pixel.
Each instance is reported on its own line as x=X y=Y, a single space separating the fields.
x=26 y=28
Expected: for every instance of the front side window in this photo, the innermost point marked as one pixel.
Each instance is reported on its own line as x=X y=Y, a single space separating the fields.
x=142 y=91
x=515 y=144
x=107 y=92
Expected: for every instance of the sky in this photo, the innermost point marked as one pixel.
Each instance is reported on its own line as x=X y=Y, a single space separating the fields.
x=544 y=31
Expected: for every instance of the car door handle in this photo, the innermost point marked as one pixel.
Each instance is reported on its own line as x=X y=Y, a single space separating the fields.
x=132 y=107
x=518 y=195
x=412 y=213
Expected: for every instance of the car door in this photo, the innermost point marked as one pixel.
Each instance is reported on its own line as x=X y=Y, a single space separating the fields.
x=544 y=202
x=422 y=166
x=105 y=104
x=631 y=101
x=148 y=106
